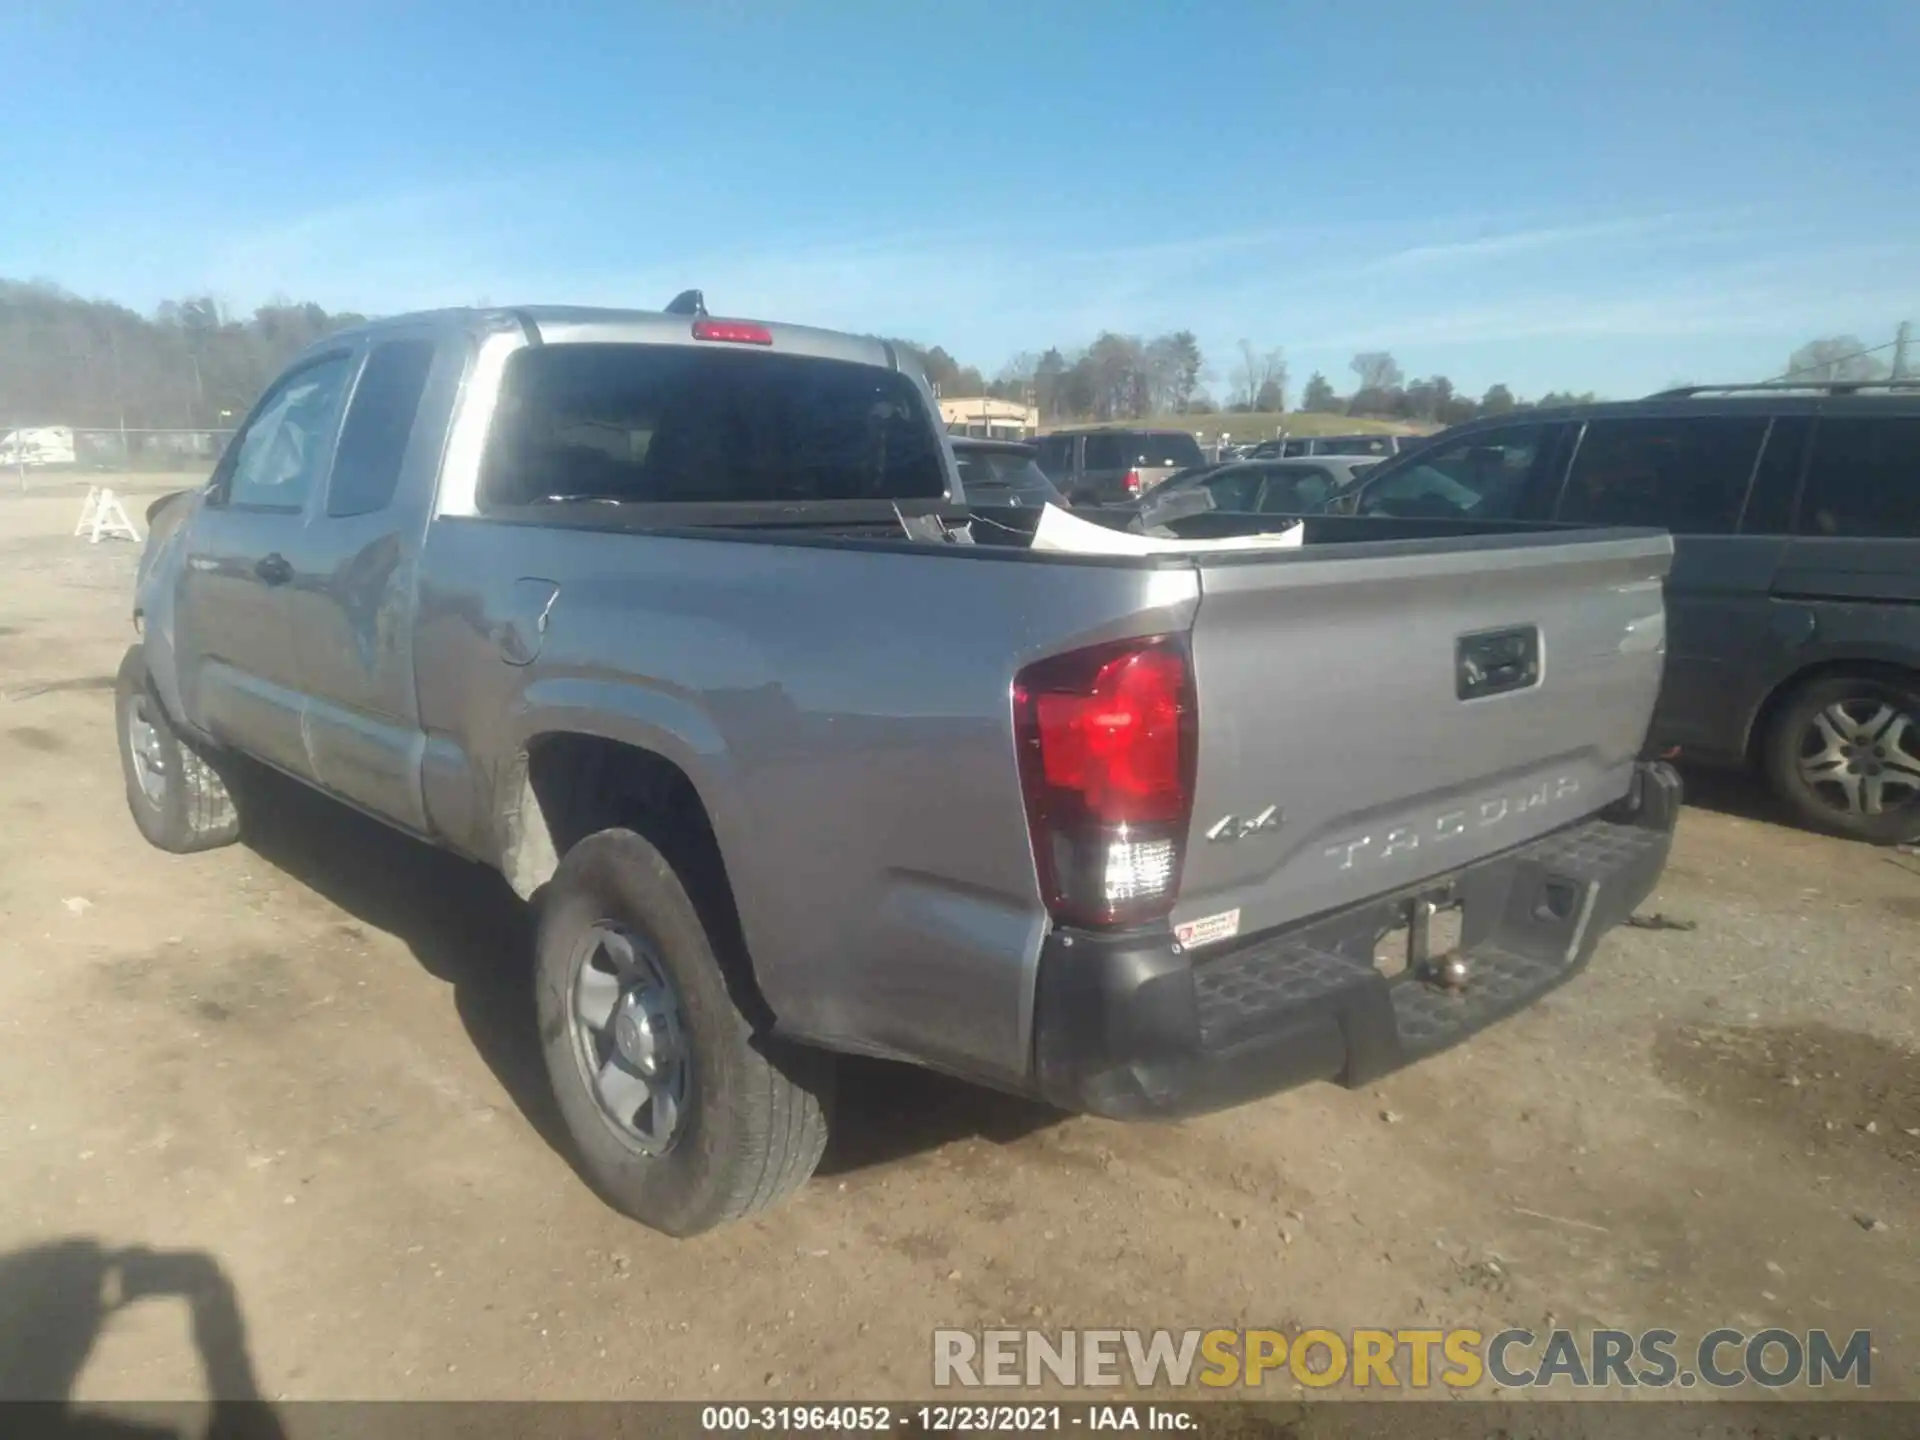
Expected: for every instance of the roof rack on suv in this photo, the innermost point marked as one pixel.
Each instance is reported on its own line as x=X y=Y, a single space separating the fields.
x=1822 y=387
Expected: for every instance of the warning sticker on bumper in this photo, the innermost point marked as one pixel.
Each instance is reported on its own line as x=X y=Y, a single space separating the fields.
x=1196 y=933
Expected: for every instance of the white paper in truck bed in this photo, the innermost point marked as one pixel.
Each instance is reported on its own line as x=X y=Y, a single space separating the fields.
x=1058 y=531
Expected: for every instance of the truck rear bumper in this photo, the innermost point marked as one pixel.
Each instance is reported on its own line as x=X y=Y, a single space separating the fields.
x=1129 y=1026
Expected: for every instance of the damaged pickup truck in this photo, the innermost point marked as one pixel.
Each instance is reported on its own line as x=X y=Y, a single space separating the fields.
x=685 y=626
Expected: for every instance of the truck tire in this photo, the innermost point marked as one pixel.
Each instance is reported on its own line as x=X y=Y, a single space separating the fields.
x=1844 y=754
x=683 y=1114
x=180 y=801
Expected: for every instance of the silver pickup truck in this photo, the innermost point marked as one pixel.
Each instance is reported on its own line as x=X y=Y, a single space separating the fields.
x=686 y=627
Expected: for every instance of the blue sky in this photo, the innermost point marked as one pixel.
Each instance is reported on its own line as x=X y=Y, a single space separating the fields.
x=1610 y=199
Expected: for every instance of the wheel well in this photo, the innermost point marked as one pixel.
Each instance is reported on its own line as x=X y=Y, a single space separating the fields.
x=1782 y=694
x=571 y=786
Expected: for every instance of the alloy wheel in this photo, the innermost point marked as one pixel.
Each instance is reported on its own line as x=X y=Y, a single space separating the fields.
x=1861 y=756
x=630 y=1037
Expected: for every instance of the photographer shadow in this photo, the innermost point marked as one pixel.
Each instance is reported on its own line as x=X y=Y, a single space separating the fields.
x=55 y=1301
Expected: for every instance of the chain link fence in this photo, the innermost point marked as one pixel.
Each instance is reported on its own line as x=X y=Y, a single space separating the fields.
x=51 y=456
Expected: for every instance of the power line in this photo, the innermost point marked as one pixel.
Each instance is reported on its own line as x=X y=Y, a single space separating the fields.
x=1834 y=360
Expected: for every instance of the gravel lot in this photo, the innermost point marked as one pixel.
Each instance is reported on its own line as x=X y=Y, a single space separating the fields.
x=307 y=1064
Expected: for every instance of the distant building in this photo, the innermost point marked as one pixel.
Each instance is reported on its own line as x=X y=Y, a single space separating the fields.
x=985 y=419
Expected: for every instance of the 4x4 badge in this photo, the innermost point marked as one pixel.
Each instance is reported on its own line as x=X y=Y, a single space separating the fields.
x=1232 y=827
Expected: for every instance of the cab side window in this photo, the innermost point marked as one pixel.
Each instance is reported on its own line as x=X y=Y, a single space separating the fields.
x=279 y=456
x=373 y=440
x=1679 y=473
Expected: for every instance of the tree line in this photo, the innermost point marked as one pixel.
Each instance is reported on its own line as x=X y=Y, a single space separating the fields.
x=191 y=365
x=194 y=364
x=1126 y=377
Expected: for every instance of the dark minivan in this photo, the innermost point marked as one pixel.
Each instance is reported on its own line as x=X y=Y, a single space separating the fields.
x=1113 y=466
x=1793 y=606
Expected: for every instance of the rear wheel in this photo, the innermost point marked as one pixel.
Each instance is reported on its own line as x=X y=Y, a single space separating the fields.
x=179 y=800
x=683 y=1115
x=1844 y=753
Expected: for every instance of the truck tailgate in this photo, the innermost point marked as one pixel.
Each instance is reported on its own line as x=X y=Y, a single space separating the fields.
x=1373 y=715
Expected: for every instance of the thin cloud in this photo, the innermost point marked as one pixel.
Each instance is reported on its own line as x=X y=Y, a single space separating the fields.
x=433 y=245
x=1500 y=246
x=1709 y=305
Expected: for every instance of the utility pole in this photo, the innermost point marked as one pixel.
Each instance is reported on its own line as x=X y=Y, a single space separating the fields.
x=1902 y=337
x=119 y=391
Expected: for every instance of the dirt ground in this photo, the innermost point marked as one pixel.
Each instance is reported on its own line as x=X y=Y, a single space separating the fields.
x=307 y=1064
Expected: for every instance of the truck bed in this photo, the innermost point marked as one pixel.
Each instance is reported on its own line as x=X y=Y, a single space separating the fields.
x=840 y=698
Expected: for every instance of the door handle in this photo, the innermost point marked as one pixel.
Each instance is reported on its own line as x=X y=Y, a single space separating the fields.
x=274 y=569
x=1496 y=662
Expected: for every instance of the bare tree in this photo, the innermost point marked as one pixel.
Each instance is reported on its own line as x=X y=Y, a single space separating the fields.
x=1378 y=370
x=1247 y=378
x=1174 y=364
x=1262 y=378
x=1118 y=374
x=1835 y=358
x=1016 y=379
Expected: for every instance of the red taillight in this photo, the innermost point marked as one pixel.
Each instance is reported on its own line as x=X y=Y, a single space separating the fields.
x=1133 y=482
x=1108 y=739
x=739 y=332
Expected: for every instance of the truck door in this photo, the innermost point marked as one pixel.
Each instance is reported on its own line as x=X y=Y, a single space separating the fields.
x=352 y=613
x=238 y=673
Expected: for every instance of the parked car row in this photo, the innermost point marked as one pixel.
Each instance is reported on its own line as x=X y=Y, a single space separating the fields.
x=1378 y=446
x=1113 y=465
x=1259 y=487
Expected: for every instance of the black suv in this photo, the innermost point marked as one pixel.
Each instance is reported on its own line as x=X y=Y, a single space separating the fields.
x=1113 y=466
x=1793 y=607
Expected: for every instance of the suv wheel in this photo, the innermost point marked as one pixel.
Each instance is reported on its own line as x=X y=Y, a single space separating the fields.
x=683 y=1116
x=1844 y=753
